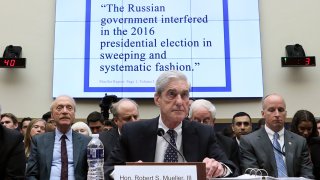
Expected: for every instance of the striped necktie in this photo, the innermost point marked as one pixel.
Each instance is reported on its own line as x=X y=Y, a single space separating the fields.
x=281 y=166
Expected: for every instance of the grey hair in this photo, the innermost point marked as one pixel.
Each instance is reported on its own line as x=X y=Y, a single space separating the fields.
x=81 y=124
x=165 y=78
x=202 y=103
x=61 y=96
x=115 y=106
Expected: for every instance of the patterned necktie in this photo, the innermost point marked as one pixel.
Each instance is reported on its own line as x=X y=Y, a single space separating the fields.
x=281 y=166
x=171 y=154
x=64 y=158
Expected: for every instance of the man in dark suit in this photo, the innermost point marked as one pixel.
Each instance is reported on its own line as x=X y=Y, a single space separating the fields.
x=123 y=111
x=12 y=157
x=46 y=158
x=139 y=140
x=204 y=112
x=280 y=152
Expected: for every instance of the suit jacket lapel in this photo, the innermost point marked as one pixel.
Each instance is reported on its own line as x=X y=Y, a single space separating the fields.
x=49 y=144
x=267 y=147
x=190 y=143
x=150 y=139
x=290 y=146
x=77 y=144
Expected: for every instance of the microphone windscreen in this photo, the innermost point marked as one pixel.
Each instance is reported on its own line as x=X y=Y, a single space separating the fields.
x=160 y=132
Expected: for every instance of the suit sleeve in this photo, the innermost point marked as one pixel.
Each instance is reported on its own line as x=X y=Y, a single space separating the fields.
x=217 y=153
x=247 y=155
x=16 y=164
x=33 y=161
x=306 y=164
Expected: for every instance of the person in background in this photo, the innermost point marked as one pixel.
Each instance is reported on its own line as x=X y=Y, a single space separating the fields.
x=143 y=140
x=9 y=120
x=261 y=123
x=204 y=112
x=24 y=125
x=81 y=128
x=51 y=124
x=108 y=125
x=123 y=111
x=318 y=124
x=241 y=125
x=61 y=154
x=95 y=122
x=36 y=126
x=12 y=158
x=273 y=148
x=304 y=124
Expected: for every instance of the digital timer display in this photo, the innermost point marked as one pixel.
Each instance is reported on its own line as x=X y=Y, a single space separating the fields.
x=12 y=62
x=307 y=61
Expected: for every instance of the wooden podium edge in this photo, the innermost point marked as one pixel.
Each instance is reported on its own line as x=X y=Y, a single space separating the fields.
x=201 y=167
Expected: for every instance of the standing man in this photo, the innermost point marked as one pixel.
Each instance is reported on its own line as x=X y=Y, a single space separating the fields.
x=141 y=140
x=280 y=152
x=12 y=157
x=123 y=111
x=241 y=125
x=61 y=154
x=204 y=112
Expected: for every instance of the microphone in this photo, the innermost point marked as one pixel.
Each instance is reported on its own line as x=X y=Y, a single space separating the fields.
x=161 y=132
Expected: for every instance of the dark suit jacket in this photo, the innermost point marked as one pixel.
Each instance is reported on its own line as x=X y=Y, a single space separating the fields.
x=12 y=157
x=40 y=159
x=109 y=140
x=230 y=147
x=315 y=156
x=138 y=142
x=256 y=151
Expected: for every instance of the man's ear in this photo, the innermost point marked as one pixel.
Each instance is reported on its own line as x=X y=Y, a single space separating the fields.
x=156 y=99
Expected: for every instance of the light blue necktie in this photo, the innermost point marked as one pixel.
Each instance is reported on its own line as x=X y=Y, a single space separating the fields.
x=281 y=166
x=171 y=154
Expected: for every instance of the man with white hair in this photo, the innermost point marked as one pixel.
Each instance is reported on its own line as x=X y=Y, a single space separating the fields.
x=204 y=112
x=144 y=140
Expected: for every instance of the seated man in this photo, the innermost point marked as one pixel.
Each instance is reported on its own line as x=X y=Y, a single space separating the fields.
x=204 y=112
x=241 y=125
x=139 y=141
x=280 y=152
x=61 y=154
x=123 y=111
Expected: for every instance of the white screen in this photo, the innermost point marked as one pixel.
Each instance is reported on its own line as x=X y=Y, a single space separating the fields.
x=120 y=47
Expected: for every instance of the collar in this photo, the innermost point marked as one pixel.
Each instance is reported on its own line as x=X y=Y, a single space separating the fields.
x=271 y=133
x=59 y=134
x=178 y=129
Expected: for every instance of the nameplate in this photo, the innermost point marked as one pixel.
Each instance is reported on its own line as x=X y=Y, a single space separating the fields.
x=154 y=172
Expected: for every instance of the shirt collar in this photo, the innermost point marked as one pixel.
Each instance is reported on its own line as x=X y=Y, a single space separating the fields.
x=178 y=129
x=59 y=134
x=271 y=133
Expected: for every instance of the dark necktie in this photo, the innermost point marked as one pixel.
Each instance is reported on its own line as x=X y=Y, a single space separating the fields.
x=281 y=166
x=171 y=154
x=64 y=158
